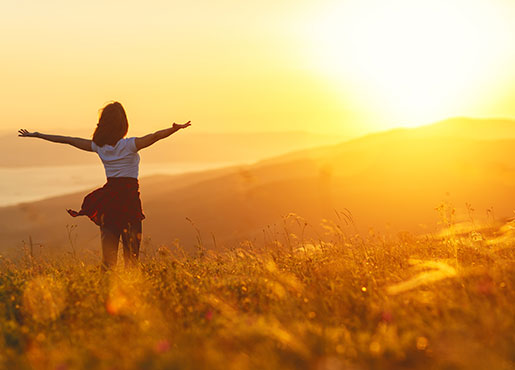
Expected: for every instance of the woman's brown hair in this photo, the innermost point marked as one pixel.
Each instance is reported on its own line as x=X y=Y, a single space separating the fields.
x=112 y=125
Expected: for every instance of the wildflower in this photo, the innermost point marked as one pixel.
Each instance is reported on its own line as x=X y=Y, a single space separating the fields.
x=375 y=348
x=162 y=346
x=422 y=343
x=386 y=316
x=485 y=286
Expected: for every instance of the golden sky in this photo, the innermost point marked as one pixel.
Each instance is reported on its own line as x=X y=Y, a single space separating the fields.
x=347 y=67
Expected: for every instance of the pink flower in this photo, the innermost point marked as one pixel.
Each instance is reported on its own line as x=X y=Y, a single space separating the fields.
x=485 y=285
x=162 y=346
x=386 y=316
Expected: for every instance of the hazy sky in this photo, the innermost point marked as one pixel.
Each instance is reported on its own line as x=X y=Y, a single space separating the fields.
x=325 y=66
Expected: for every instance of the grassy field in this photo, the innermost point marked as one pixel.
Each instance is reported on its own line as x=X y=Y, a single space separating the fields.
x=443 y=301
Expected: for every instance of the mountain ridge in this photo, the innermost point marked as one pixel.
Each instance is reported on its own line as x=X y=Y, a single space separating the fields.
x=388 y=181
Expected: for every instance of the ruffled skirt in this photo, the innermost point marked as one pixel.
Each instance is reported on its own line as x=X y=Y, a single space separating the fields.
x=114 y=205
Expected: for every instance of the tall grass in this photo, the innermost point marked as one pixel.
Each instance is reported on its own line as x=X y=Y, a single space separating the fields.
x=339 y=302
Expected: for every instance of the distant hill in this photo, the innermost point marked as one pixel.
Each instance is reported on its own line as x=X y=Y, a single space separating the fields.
x=182 y=147
x=481 y=129
x=390 y=181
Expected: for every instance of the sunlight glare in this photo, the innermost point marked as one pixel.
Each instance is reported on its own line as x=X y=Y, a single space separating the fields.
x=416 y=61
x=44 y=298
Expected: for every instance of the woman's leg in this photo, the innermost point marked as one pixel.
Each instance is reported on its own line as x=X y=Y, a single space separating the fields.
x=131 y=239
x=110 y=241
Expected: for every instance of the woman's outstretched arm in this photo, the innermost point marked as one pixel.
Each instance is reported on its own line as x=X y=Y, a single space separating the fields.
x=77 y=142
x=147 y=140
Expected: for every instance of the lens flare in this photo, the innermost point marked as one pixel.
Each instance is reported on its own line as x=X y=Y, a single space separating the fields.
x=44 y=298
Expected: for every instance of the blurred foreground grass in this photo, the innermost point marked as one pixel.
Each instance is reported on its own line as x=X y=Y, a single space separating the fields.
x=445 y=302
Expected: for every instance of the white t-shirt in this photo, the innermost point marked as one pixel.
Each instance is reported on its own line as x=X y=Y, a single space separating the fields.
x=121 y=160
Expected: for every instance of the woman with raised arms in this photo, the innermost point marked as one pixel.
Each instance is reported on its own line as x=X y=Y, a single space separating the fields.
x=116 y=207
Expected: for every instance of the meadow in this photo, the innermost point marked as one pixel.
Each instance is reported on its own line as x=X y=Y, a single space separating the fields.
x=442 y=300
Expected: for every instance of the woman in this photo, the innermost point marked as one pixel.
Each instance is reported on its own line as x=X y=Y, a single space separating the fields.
x=116 y=207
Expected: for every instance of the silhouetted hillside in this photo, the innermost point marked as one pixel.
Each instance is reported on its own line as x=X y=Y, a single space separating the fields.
x=392 y=180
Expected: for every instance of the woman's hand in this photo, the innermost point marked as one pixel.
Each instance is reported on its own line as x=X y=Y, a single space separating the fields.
x=24 y=133
x=147 y=140
x=178 y=126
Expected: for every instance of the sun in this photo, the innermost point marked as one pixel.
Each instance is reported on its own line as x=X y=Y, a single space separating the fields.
x=411 y=61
